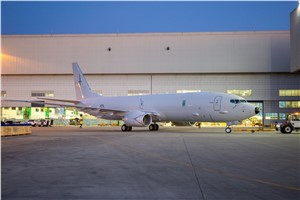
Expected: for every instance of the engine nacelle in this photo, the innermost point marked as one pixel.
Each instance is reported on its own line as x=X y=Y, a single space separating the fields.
x=183 y=123
x=137 y=119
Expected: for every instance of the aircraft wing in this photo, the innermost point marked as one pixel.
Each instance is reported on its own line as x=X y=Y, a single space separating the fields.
x=76 y=104
x=42 y=103
x=24 y=101
x=96 y=110
x=60 y=100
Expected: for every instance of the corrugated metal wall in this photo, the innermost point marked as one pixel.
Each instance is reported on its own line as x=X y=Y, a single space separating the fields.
x=228 y=52
x=263 y=86
x=295 y=39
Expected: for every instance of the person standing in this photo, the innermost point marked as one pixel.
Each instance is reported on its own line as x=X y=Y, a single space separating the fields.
x=81 y=121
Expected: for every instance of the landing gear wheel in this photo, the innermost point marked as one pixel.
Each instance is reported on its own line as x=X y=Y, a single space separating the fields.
x=152 y=127
x=124 y=128
x=156 y=127
x=228 y=130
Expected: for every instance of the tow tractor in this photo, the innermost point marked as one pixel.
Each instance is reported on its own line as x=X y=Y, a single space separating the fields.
x=292 y=123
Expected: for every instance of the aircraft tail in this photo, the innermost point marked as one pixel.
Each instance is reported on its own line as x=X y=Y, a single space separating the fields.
x=82 y=87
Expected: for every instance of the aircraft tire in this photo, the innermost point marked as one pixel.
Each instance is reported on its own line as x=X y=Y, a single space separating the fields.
x=152 y=127
x=124 y=128
x=156 y=127
x=228 y=130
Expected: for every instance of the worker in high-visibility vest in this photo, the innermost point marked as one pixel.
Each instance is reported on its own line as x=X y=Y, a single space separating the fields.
x=81 y=121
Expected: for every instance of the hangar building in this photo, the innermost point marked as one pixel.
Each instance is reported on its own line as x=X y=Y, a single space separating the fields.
x=262 y=66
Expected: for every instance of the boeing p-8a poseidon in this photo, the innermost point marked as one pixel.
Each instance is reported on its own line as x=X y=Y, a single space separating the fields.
x=147 y=110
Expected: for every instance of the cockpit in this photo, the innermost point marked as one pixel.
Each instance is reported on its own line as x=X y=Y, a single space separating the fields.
x=236 y=101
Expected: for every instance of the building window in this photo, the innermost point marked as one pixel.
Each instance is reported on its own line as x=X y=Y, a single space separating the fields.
x=271 y=116
x=46 y=93
x=3 y=93
x=282 y=116
x=243 y=93
x=137 y=92
x=187 y=91
x=289 y=93
x=289 y=104
x=13 y=108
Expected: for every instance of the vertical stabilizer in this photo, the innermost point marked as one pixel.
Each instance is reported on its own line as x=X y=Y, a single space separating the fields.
x=82 y=87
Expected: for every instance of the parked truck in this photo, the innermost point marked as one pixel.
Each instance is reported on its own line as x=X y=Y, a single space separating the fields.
x=291 y=124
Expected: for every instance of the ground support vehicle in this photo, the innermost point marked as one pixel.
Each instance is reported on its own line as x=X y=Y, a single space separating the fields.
x=32 y=122
x=291 y=124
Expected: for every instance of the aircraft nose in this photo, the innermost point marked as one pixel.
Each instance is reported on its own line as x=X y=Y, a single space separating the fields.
x=256 y=110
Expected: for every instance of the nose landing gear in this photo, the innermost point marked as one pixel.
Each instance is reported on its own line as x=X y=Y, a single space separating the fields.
x=228 y=129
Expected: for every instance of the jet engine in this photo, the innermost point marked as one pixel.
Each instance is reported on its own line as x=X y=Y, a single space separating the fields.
x=183 y=123
x=137 y=119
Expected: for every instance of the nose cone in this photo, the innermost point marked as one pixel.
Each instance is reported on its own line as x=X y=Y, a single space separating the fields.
x=256 y=110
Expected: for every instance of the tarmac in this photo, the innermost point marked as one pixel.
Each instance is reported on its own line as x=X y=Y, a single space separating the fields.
x=172 y=163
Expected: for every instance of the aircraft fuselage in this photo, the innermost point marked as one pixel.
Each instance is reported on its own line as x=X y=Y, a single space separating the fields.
x=202 y=106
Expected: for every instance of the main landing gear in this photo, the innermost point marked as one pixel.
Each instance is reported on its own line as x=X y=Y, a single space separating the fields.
x=124 y=128
x=152 y=127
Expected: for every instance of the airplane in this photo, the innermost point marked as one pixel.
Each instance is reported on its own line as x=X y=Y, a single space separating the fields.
x=148 y=110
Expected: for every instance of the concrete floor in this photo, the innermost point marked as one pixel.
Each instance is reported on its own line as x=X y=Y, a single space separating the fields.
x=173 y=163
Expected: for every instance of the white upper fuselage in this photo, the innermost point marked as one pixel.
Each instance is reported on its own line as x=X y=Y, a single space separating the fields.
x=202 y=106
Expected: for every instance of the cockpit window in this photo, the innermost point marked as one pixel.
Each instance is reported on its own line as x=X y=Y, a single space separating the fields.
x=233 y=101
x=236 y=101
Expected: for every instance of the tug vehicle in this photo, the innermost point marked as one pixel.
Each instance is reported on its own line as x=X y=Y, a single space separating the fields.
x=291 y=124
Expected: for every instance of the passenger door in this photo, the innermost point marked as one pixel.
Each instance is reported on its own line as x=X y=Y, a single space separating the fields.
x=217 y=103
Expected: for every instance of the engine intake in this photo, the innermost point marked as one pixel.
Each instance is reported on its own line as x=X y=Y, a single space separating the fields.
x=137 y=119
